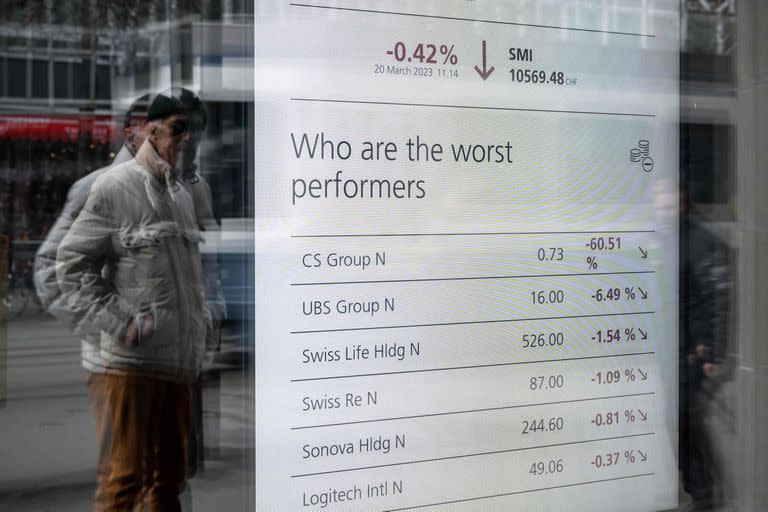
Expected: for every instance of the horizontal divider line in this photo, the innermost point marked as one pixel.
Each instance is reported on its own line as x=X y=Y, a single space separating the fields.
x=474 y=20
x=472 y=107
x=568 y=317
x=471 y=367
x=470 y=411
x=488 y=233
x=501 y=495
x=469 y=455
x=476 y=278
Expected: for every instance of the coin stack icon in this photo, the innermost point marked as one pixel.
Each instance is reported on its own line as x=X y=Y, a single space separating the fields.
x=642 y=155
x=645 y=147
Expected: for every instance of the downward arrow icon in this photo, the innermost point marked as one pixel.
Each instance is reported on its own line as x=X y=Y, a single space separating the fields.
x=643 y=335
x=643 y=416
x=643 y=456
x=644 y=253
x=485 y=73
x=644 y=294
x=643 y=376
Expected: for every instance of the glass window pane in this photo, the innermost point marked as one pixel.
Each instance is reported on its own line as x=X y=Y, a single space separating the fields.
x=17 y=78
x=103 y=82
x=531 y=359
x=40 y=79
x=61 y=80
x=81 y=80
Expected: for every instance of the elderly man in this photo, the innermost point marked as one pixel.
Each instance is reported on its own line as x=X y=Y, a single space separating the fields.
x=148 y=310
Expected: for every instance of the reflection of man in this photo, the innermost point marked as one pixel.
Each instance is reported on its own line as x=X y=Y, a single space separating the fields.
x=48 y=288
x=148 y=308
x=718 y=6
x=45 y=277
x=704 y=310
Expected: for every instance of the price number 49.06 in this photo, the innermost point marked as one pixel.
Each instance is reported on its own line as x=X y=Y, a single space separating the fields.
x=542 y=467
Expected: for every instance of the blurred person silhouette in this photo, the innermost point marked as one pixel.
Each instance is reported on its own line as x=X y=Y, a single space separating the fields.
x=148 y=309
x=200 y=192
x=48 y=291
x=705 y=291
x=202 y=200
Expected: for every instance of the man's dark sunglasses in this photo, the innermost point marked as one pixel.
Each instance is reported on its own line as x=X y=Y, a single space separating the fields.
x=179 y=128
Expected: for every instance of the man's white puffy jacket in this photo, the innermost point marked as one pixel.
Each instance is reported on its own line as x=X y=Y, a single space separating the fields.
x=141 y=224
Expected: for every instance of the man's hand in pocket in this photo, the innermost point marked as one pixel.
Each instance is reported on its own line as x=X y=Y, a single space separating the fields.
x=132 y=337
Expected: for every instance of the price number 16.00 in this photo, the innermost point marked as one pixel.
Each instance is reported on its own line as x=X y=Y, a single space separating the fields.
x=548 y=296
